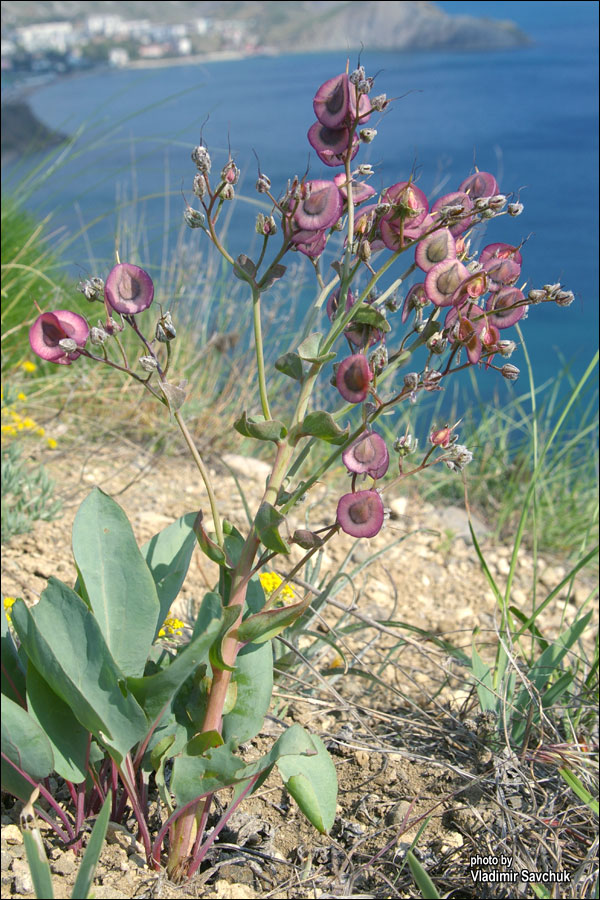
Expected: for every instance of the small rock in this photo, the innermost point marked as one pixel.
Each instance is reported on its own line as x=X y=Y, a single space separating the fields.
x=6 y=860
x=503 y=566
x=64 y=865
x=398 y=507
x=12 y=835
x=399 y=814
x=455 y=519
x=224 y=890
x=519 y=598
x=362 y=758
x=452 y=840
x=23 y=880
x=247 y=466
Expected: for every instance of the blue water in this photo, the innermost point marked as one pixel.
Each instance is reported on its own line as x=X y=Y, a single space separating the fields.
x=529 y=116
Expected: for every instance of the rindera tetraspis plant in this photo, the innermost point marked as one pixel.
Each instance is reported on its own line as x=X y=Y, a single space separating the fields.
x=93 y=694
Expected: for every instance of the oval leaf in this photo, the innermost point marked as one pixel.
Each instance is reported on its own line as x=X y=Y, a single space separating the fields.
x=65 y=644
x=24 y=744
x=290 y=364
x=312 y=782
x=260 y=429
x=168 y=556
x=267 y=523
x=322 y=425
x=118 y=584
x=309 y=349
x=254 y=679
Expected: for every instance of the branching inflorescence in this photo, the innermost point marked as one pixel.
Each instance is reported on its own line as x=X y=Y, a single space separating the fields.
x=454 y=314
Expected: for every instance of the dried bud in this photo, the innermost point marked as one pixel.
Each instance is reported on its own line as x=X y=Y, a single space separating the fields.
x=510 y=372
x=431 y=380
x=437 y=343
x=460 y=457
x=481 y=203
x=378 y=360
x=488 y=214
x=193 y=218
x=392 y=304
x=506 y=348
x=227 y=192
x=564 y=298
x=411 y=381
x=497 y=202
x=263 y=184
x=536 y=296
x=357 y=75
x=230 y=173
x=98 y=335
x=365 y=169
x=92 y=289
x=165 y=330
x=199 y=185
x=383 y=208
x=68 y=345
x=365 y=86
x=405 y=444
x=201 y=158
x=367 y=135
x=265 y=225
x=308 y=540
x=148 y=363
x=364 y=251
x=515 y=209
x=379 y=103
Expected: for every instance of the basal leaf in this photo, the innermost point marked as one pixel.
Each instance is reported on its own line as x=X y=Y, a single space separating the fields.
x=63 y=640
x=119 y=586
x=25 y=744
x=68 y=738
x=168 y=556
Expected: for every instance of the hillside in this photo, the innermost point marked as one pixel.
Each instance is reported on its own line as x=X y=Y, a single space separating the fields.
x=303 y=26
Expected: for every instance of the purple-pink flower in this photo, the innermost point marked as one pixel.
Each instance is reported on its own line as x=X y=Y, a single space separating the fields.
x=128 y=289
x=353 y=378
x=50 y=329
x=367 y=455
x=360 y=514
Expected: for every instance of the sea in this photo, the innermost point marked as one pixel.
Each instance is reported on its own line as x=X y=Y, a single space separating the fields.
x=528 y=115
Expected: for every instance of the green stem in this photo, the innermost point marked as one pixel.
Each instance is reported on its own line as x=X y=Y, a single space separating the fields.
x=204 y=475
x=260 y=360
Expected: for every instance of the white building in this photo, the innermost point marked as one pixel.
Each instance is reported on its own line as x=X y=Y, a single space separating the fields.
x=59 y=36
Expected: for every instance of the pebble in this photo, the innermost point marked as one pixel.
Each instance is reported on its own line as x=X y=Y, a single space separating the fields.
x=23 y=881
x=12 y=835
x=503 y=566
x=6 y=860
x=362 y=758
x=65 y=864
x=225 y=890
x=398 y=507
x=519 y=598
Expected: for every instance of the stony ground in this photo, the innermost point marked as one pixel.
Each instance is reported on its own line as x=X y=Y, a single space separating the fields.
x=395 y=708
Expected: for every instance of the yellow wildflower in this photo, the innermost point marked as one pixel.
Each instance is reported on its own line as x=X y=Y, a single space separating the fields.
x=172 y=627
x=28 y=366
x=52 y=443
x=270 y=581
x=21 y=396
x=9 y=602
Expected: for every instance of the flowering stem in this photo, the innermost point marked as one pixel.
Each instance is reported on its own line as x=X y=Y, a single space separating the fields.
x=204 y=475
x=260 y=360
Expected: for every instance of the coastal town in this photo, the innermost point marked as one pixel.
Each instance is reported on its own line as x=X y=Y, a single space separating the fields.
x=59 y=47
